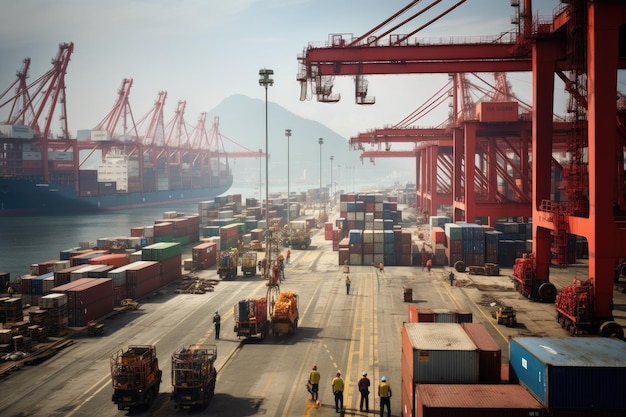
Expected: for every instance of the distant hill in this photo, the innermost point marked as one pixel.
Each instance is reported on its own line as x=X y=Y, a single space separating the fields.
x=242 y=125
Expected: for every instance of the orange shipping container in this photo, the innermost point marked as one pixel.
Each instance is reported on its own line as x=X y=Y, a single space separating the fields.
x=113 y=259
x=497 y=111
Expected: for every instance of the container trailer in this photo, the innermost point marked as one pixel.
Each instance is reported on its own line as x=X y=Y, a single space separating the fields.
x=193 y=375
x=284 y=319
x=136 y=376
x=251 y=318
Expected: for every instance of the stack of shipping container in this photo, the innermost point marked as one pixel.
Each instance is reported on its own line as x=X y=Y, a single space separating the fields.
x=475 y=244
x=455 y=369
x=368 y=231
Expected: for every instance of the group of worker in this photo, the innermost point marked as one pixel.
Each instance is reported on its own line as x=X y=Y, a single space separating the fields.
x=338 y=385
x=278 y=266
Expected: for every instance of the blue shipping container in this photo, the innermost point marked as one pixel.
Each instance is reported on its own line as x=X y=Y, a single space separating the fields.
x=579 y=373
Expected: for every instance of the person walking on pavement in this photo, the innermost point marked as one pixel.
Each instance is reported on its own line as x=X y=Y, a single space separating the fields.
x=337 y=386
x=348 y=282
x=429 y=264
x=288 y=256
x=451 y=277
x=364 y=389
x=217 y=321
x=384 y=392
x=381 y=268
x=314 y=381
x=281 y=266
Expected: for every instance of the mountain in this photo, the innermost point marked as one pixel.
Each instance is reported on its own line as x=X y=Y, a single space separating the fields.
x=242 y=126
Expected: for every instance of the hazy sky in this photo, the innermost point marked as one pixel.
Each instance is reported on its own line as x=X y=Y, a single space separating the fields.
x=203 y=51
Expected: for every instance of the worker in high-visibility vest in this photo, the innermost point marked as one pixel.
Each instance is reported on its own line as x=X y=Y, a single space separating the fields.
x=314 y=382
x=384 y=392
x=337 y=385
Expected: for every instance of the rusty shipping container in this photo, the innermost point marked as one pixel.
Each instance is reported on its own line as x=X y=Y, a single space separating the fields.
x=490 y=354
x=475 y=400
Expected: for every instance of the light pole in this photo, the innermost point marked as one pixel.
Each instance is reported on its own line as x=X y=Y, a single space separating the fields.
x=338 y=180
x=332 y=193
x=288 y=135
x=260 y=176
x=321 y=142
x=266 y=81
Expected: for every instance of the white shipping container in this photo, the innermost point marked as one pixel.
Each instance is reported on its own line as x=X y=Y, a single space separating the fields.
x=225 y=214
x=379 y=224
x=368 y=236
x=61 y=265
x=368 y=258
x=148 y=231
x=100 y=135
x=360 y=216
x=443 y=353
x=53 y=300
x=16 y=131
x=31 y=156
x=60 y=156
x=82 y=272
x=379 y=236
x=47 y=285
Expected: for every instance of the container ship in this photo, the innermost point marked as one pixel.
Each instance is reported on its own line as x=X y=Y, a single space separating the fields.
x=112 y=166
x=39 y=176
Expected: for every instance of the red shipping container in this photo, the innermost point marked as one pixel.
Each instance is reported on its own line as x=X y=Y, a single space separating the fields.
x=344 y=256
x=412 y=314
x=468 y=400
x=204 y=255
x=88 y=299
x=438 y=235
x=490 y=354
x=171 y=269
x=142 y=271
x=497 y=112
x=113 y=259
x=163 y=228
x=136 y=231
x=119 y=294
x=47 y=266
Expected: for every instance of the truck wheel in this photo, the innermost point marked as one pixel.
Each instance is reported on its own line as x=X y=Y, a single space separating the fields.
x=547 y=292
x=149 y=398
x=459 y=266
x=611 y=329
x=120 y=407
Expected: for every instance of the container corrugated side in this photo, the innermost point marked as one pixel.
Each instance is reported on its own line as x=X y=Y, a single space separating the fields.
x=442 y=353
x=490 y=362
x=475 y=400
x=571 y=373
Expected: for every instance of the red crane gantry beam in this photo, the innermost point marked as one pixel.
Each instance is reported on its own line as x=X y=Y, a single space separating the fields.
x=417 y=59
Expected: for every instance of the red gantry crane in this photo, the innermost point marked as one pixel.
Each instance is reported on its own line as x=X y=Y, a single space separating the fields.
x=583 y=45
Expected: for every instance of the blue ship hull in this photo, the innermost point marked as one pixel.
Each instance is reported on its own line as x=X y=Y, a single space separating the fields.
x=26 y=196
